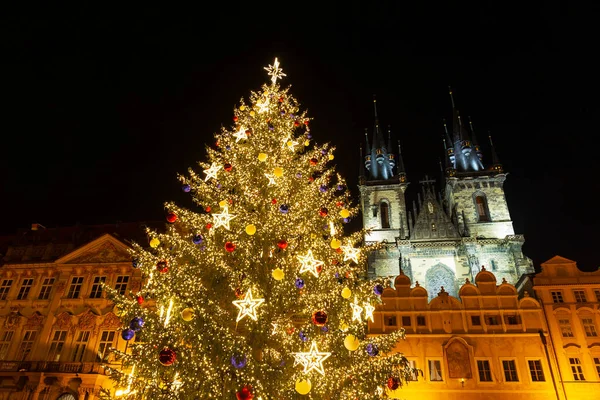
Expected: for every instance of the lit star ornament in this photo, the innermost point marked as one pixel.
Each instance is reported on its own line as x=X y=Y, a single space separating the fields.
x=271 y=179
x=369 y=312
x=312 y=360
x=212 y=171
x=223 y=218
x=240 y=135
x=309 y=264
x=356 y=311
x=350 y=253
x=274 y=71
x=247 y=306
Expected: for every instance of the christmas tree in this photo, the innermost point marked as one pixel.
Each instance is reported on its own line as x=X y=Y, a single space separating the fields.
x=258 y=292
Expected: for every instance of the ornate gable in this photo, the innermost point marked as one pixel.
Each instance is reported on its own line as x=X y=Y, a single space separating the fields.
x=105 y=249
x=432 y=222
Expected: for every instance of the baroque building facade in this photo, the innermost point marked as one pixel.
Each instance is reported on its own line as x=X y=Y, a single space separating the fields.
x=56 y=325
x=448 y=234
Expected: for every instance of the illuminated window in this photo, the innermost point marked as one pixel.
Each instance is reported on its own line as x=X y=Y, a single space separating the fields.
x=80 y=346
x=415 y=373
x=390 y=320
x=576 y=369
x=46 y=288
x=589 y=327
x=106 y=342
x=485 y=373
x=56 y=345
x=75 y=287
x=26 y=345
x=597 y=294
x=25 y=288
x=121 y=286
x=435 y=370
x=557 y=297
x=385 y=215
x=482 y=208
x=96 y=292
x=535 y=369
x=510 y=371
x=565 y=328
x=4 y=288
x=579 y=296
x=5 y=341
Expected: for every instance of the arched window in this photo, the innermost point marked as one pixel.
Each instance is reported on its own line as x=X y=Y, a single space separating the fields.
x=482 y=208
x=66 y=396
x=385 y=215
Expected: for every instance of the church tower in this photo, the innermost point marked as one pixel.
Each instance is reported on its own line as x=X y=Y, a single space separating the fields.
x=450 y=234
x=382 y=183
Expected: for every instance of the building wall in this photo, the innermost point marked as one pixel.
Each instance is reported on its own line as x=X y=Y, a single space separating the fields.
x=373 y=196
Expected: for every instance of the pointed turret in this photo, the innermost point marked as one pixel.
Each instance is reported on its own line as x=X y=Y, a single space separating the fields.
x=496 y=165
x=400 y=167
x=466 y=160
x=361 y=167
x=379 y=160
x=391 y=160
x=449 y=158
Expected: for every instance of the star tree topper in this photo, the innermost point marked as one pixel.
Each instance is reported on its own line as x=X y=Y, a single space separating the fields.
x=223 y=218
x=312 y=360
x=274 y=71
x=247 y=306
x=309 y=264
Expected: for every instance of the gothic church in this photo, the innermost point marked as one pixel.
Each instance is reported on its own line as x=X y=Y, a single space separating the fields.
x=448 y=235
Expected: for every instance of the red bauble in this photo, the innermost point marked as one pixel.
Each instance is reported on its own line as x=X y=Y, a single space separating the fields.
x=171 y=217
x=296 y=123
x=393 y=383
x=289 y=330
x=339 y=204
x=282 y=244
x=319 y=269
x=323 y=212
x=338 y=250
x=281 y=99
x=167 y=357
x=235 y=118
x=140 y=299
x=248 y=131
x=208 y=226
x=310 y=179
x=245 y=393
x=313 y=161
x=274 y=201
x=319 y=318
x=162 y=266
x=238 y=293
x=227 y=167
x=229 y=246
x=207 y=209
x=306 y=122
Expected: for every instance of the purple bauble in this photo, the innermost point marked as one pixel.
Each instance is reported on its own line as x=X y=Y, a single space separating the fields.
x=186 y=188
x=378 y=289
x=340 y=187
x=298 y=175
x=282 y=112
x=271 y=127
x=228 y=147
x=219 y=186
x=284 y=208
x=197 y=239
x=303 y=336
x=346 y=220
x=127 y=334
x=323 y=188
x=308 y=135
x=299 y=283
x=238 y=361
x=323 y=152
x=324 y=329
x=136 y=324
x=372 y=349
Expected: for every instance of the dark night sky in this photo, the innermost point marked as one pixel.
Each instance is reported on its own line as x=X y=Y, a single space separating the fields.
x=104 y=106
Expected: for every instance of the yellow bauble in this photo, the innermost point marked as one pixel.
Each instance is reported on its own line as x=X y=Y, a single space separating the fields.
x=277 y=274
x=251 y=229
x=223 y=203
x=331 y=157
x=278 y=172
x=306 y=143
x=344 y=327
x=313 y=235
x=346 y=293
x=262 y=157
x=154 y=243
x=290 y=143
x=351 y=342
x=187 y=314
x=242 y=108
x=252 y=113
x=335 y=243
x=344 y=213
x=117 y=311
x=303 y=386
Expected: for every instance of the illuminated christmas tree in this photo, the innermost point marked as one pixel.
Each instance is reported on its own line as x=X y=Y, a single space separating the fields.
x=257 y=292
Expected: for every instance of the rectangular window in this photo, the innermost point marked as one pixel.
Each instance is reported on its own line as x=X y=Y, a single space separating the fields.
x=106 y=342
x=56 y=345
x=421 y=320
x=565 y=328
x=510 y=371
x=492 y=320
x=26 y=345
x=80 y=346
x=589 y=327
x=46 y=288
x=485 y=373
x=579 y=296
x=576 y=369
x=390 y=320
x=511 y=319
x=597 y=364
x=96 y=292
x=25 y=288
x=4 y=288
x=435 y=370
x=415 y=374
x=597 y=294
x=75 y=287
x=535 y=369
x=557 y=297
x=475 y=320
x=121 y=285
x=406 y=321
x=5 y=341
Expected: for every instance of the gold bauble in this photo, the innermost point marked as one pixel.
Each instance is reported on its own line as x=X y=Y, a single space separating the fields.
x=331 y=157
x=154 y=243
x=278 y=172
x=344 y=327
x=187 y=314
x=262 y=157
x=242 y=108
x=290 y=143
x=306 y=142
x=335 y=243
x=277 y=274
x=351 y=342
x=303 y=386
x=117 y=311
x=346 y=292
x=222 y=203
x=344 y=213
x=252 y=113
x=251 y=229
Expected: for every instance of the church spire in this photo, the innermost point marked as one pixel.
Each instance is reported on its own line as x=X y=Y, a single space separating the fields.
x=449 y=157
x=400 y=167
x=496 y=165
x=378 y=160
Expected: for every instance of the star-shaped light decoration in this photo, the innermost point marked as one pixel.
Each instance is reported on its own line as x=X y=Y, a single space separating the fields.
x=356 y=311
x=309 y=264
x=247 y=306
x=274 y=71
x=274 y=325
x=223 y=218
x=369 y=312
x=350 y=253
x=263 y=106
x=271 y=179
x=212 y=171
x=241 y=134
x=312 y=360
